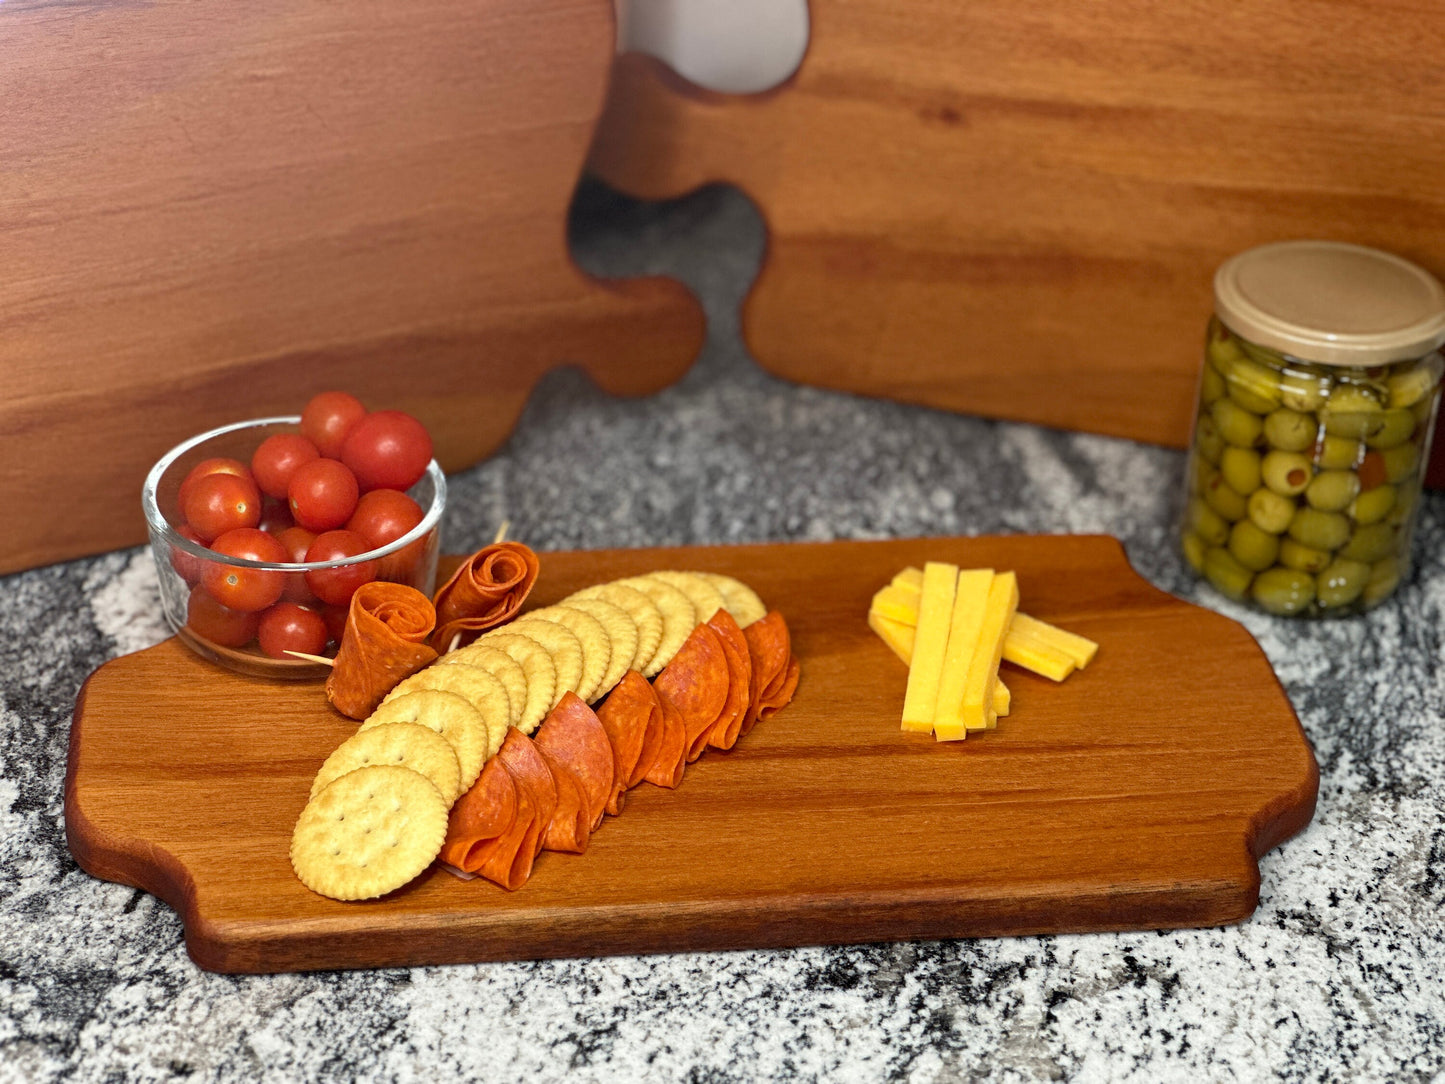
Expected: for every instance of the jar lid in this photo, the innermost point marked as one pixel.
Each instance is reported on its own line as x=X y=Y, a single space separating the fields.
x=1331 y=302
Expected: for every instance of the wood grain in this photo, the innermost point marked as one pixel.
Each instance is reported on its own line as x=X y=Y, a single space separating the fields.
x=1016 y=208
x=1137 y=794
x=209 y=212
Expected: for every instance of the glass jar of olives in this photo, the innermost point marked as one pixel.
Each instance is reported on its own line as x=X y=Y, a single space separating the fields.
x=1317 y=397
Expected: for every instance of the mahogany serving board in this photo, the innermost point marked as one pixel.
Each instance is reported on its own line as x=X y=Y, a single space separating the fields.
x=1015 y=207
x=210 y=211
x=1137 y=794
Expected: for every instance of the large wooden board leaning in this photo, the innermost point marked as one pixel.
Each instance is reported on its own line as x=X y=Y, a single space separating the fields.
x=209 y=211
x=1137 y=794
x=1016 y=208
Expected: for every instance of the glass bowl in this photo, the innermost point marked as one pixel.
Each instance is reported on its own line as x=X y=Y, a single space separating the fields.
x=183 y=565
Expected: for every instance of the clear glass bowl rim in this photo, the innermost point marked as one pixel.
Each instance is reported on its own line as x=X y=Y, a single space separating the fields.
x=162 y=526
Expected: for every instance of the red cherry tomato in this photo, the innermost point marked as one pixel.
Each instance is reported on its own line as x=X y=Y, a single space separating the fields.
x=275 y=516
x=384 y=515
x=296 y=540
x=328 y=417
x=188 y=568
x=214 y=465
x=209 y=620
x=335 y=618
x=287 y=626
x=246 y=589
x=218 y=503
x=387 y=450
x=337 y=585
x=276 y=460
x=323 y=494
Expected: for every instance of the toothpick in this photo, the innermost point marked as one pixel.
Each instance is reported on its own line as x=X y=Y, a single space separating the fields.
x=456 y=639
x=502 y=532
x=311 y=658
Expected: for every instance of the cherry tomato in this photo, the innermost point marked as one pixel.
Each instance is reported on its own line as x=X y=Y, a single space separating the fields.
x=335 y=618
x=328 y=417
x=387 y=450
x=337 y=585
x=323 y=494
x=383 y=516
x=209 y=620
x=246 y=589
x=275 y=516
x=218 y=503
x=187 y=567
x=276 y=460
x=214 y=465
x=287 y=626
x=296 y=540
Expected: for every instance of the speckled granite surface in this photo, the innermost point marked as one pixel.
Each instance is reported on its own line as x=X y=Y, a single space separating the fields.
x=1340 y=975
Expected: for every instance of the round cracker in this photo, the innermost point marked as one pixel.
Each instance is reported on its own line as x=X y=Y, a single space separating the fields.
x=643 y=611
x=596 y=645
x=706 y=599
x=679 y=618
x=621 y=634
x=501 y=666
x=561 y=643
x=740 y=599
x=406 y=745
x=368 y=833
x=540 y=672
x=451 y=715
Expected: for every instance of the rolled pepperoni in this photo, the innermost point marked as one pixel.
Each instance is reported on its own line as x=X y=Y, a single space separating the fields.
x=485 y=591
x=384 y=641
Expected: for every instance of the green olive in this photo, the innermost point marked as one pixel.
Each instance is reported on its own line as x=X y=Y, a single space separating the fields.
x=1302 y=558
x=1206 y=523
x=1264 y=355
x=1332 y=490
x=1412 y=385
x=1338 y=453
x=1251 y=547
x=1193 y=547
x=1395 y=427
x=1207 y=439
x=1283 y=590
x=1240 y=468
x=1400 y=462
x=1304 y=391
x=1236 y=425
x=1374 y=505
x=1223 y=499
x=1289 y=430
x=1404 y=509
x=1319 y=530
x=1384 y=578
x=1372 y=543
x=1287 y=473
x=1423 y=412
x=1352 y=411
x=1269 y=511
x=1341 y=583
x=1227 y=575
x=1211 y=385
x=1222 y=349
x=1253 y=386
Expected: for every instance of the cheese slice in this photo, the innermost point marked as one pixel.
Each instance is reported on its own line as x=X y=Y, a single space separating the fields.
x=899 y=638
x=910 y=577
x=897 y=603
x=1043 y=659
x=969 y=602
x=1079 y=648
x=1003 y=600
x=935 y=611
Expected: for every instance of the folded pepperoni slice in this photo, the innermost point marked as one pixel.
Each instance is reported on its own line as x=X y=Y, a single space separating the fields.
x=696 y=683
x=480 y=818
x=574 y=736
x=485 y=591
x=770 y=646
x=508 y=861
x=780 y=696
x=667 y=766
x=384 y=641
x=632 y=718
x=510 y=864
x=571 y=825
x=724 y=733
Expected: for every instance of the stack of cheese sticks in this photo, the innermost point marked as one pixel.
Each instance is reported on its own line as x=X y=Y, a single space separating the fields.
x=953 y=627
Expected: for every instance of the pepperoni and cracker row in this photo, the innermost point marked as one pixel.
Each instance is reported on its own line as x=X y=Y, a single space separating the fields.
x=387 y=626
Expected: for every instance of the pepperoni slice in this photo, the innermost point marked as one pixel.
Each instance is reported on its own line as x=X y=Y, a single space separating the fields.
x=571 y=826
x=780 y=696
x=724 y=733
x=384 y=641
x=485 y=591
x=770 y=647
x=510 y=864
x=480 y=818
x=573 y=735
x=696 y=683
x=632 y=718
x=671 y=760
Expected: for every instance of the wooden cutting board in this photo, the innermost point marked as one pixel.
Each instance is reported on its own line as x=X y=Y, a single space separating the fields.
x=209 y=211
x=1137 y=794
x=1015 y=207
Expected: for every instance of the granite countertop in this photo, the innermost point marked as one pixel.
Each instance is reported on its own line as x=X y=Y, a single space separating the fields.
x=1340 y=974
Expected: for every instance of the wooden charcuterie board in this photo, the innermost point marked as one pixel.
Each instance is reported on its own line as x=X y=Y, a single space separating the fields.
x=1137 y=794
x=1016 y=209
x=209 y=212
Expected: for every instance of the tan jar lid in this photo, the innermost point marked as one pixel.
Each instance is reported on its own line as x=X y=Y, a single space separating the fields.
x=1331 y=302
